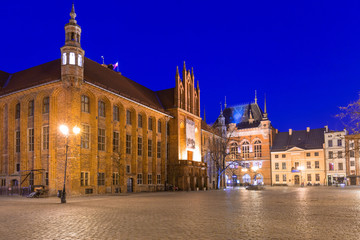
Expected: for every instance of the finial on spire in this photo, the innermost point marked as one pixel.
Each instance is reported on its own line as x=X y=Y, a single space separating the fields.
x=177 y=70
x=265 y=110
x=197 y=83
x=73 y=14
x=221 y=108
x=255 y=98
x=225 y=103
x=184 y=66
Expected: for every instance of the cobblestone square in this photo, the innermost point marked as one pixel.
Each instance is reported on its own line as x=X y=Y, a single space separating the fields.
x=274 y=213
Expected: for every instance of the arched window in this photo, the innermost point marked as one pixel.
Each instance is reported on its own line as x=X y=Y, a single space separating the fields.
x=80 y=60
x=46 y=102
x=245 y=149
x=72 y=58
x=233 y=150
x=257 y=146
x=64 y=59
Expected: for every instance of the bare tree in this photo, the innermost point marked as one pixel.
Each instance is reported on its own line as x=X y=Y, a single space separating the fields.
x=350 y=117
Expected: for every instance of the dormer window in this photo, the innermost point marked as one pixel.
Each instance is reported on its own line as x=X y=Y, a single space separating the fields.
x=72 y=58
x=64 y=59
x=80 y=60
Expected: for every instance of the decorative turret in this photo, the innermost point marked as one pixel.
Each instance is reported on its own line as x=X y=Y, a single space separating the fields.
x=221 y=123
x=265 y=111
x=72 y=55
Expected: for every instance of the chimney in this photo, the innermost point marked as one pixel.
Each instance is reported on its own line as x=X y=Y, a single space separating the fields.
x=326 y=128
x=308 y=129
x=290 y=131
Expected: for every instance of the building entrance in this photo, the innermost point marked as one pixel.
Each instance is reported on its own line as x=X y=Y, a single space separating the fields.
x=297 y=180
x=130 y=184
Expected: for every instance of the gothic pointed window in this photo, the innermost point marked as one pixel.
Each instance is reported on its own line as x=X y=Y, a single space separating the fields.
x=64 y=59
x=234 y=150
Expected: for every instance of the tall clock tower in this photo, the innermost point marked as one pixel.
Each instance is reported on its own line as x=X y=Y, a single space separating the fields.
x=72 y=55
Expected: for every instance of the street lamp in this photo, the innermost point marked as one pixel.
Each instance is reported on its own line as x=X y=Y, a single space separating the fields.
x=65 y=131
x=301 y=168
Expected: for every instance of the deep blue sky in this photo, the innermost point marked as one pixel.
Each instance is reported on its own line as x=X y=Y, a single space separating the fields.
x=305 y=56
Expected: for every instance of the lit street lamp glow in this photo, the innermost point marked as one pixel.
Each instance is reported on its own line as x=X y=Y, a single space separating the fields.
x=65 y=130
x=255 y=168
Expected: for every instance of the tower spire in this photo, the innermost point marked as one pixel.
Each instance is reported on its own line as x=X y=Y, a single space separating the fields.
x=225 y=103
x=204 y=115
x=255 y=98
x=73 y=14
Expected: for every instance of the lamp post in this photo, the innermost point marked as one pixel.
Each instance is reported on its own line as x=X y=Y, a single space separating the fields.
x=65 y=131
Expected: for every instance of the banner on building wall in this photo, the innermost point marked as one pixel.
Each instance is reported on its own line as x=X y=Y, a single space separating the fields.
x=190 y=134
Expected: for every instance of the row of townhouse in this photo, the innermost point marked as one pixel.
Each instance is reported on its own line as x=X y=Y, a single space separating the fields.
x=315 y=157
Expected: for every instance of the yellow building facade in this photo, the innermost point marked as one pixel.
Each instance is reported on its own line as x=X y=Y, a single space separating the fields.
x=297 y=158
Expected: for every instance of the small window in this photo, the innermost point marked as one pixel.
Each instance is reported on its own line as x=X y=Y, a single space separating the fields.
x=85 y=104
x=101 y=139
x=45 y=138
x=46 y=103
x=331 y=155
x=85 y=136
x=339 y=142
x=309 y=177
x=115 y=178
x=340 y=166
x=158 y=178
x=159 y=126
x=128 y=117
x=127 y=169
x=139 y=146
x=31 y=108
x=283 y=156
x=276 y=166
x=340 y=155
x=101 y=179
x=17 y=141
x=317 y=177
x=101 y=109
x=139 y=178
x=284 y=165
x=140 y=121
x=317 y=165
x=284 y=177
x=158 y=150
x=330 y=143
x=331 y=166
x=352 y=153
x=149 y=178
x=308 y=154
x=150 y=126
x=72 y=58
x=116 y=142
x=308 y=164
x=17 y=111
x=276 y=156
x=18 y=167
x=31 y=139
x=149 y=148
x=277 y=178
x=128 y=144
x=46 y=178
x=316 y=154
x=352 y=163
x=116 y=116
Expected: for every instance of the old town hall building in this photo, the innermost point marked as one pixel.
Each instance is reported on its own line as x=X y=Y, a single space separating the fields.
x=131 y=138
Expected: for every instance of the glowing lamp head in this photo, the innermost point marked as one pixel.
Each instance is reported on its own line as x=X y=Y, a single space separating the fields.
x=300 y=168
x=64 y=130
x=76 y=130
x=255 y=168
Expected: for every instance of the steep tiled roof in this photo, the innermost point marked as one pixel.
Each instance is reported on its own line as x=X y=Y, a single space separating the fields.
x=166 y=97
x=93 y=73
x=40 y=74
x=117 y=83
x=206 y=127
x=314 y=139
